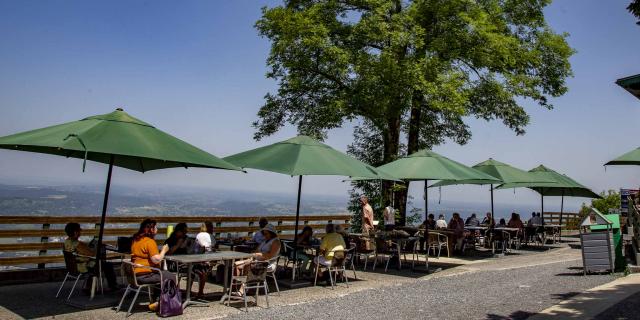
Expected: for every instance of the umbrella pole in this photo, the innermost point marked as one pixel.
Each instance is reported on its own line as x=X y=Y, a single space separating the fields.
x=426 y=200
x=295 y=235
x=542 y=206
x=492 y=218
x=561 y=210
x=104 y=209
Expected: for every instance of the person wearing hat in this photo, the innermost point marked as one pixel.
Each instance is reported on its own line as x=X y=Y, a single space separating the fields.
x=268 y=249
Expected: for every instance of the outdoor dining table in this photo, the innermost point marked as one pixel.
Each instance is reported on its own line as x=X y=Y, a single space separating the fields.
x=475 y=228
x=227 y=257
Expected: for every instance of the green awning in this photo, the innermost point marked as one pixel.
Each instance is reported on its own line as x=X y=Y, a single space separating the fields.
x=631 y=84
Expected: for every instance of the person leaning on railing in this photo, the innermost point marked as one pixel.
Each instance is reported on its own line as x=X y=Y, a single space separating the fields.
x=147 y=258
x=85 y=259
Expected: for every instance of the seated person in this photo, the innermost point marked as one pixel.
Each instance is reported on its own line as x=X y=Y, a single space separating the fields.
x=268 y=249
x=203 y=244
x=488 y=221
x=178 y=241
x=441 y=223
x=144 y=251
x=515 y=221
x=330 y=243
x=74 y=245
x=304 y=240
x=472 y=221
x=204 y=240
x=258 y=237
x=502 y=224
x=457 y=226
x=430 y=223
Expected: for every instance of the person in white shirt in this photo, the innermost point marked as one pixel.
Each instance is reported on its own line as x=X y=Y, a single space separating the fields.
x=441 y=223
x=389 y=216
x=204 y=243
x=204 y=239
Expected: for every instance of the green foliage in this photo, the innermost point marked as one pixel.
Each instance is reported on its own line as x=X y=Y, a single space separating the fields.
x=415 y=68
x=339 y=60
x=610 y=200
x=634 y=8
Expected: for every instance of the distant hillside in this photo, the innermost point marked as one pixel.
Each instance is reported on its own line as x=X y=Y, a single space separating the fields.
x=75 y=200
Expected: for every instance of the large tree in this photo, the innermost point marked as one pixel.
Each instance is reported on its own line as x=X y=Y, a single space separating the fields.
x=411 y=71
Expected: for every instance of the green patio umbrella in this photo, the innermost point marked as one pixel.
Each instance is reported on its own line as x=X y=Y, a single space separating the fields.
x=562 y=186
x=302 y=156
x=631 y=158
x=502 y=172
x=116 y=139
x=427 y=165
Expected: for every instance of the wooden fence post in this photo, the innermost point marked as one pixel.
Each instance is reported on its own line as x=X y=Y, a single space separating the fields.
x=44 y=239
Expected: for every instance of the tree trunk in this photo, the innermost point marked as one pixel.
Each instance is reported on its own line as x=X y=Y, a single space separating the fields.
x=391 y=149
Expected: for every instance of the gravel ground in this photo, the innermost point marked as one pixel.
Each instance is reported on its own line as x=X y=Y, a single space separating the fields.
x=510 y=293
x=628 y=308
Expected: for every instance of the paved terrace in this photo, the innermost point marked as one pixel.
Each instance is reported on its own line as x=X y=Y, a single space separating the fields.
x=478 y=287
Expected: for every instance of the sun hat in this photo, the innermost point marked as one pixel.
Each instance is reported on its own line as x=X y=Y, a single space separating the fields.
x=269 y=227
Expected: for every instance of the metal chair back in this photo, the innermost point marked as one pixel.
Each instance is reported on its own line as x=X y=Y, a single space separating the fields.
x=70 y=262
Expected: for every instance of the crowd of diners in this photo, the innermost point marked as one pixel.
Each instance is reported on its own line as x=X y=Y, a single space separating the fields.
x=146 y=253
x=266 y=243
x=456 y=226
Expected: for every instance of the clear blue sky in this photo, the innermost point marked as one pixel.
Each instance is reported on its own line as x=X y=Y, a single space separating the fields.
x=196 y=70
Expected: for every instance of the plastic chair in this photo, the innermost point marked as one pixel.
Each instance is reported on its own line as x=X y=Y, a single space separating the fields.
x=256 y=279
x=134 y=286
x=336 y=264
x=71 y=265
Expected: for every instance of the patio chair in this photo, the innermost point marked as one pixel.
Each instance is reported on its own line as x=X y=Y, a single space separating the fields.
x=256 y=279
x=361 y=251
x=516 y=240
x=350 y=256
x=134 y=286
x=415 y=256
x=71 y=264
x=337 y=264
x=500 y=238
x=287 y=253
x=437 y=241
x=271 y=271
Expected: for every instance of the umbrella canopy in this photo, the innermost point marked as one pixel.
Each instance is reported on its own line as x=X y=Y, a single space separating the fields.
x=303 y=155
x=500 y=171
x=631 y=158
x=428 y=165
x=117 y=139
x=562 y=186
x=134 y=144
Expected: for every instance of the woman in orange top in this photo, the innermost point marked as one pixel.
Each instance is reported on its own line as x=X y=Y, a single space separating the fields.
x=144 y=251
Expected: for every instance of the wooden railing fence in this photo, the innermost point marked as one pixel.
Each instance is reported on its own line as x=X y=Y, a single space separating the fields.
x=37 y=240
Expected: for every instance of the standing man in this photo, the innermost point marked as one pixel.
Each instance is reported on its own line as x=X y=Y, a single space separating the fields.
x=367 y=216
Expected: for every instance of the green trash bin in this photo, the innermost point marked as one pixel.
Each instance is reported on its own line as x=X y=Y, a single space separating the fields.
x=620 y=263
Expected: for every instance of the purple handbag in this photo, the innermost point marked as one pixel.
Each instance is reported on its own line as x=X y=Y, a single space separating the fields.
x=170 y=299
